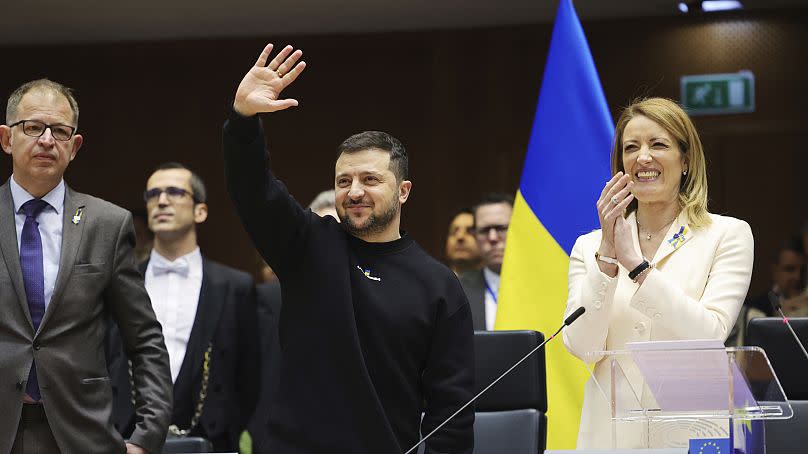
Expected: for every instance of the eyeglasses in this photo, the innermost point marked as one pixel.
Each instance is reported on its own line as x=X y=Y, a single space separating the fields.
x=485 y=232
x=35 y=128
x=172 y=192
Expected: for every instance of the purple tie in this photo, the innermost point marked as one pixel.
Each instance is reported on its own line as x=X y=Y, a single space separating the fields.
x=33 y=275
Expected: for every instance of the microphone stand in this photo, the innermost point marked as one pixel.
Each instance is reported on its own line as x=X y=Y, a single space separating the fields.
x=567 y=322
x=774 y=300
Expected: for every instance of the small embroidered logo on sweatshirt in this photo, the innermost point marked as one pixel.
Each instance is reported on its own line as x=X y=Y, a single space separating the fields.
x=366 y=273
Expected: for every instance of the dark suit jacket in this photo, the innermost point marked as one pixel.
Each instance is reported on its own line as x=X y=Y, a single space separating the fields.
x=226 y=318
x=473 y=283
x=269 y=309
x=97 y=279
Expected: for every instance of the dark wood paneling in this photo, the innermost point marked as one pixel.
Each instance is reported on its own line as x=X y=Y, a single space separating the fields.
x=461 y=101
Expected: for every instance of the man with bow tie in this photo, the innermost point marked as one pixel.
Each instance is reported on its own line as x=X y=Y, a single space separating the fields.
x=208 y=314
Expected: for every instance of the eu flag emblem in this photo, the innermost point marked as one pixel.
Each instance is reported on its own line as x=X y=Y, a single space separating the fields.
x=710 y=446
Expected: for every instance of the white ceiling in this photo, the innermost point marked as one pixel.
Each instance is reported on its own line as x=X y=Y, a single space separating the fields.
x=51 y=21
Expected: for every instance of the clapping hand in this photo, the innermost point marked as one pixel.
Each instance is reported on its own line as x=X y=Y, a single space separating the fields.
x=612 y=203
x=616 y=239
x=261 y=87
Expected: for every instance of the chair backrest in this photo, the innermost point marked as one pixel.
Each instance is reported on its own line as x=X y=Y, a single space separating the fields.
x=511 y=431
x=187 y=445
x=787 y=359
x=788 y=435
x=510 y=417
x=525 y=386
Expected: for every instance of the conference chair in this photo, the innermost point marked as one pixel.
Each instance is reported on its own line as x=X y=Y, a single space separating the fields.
x=790 y=365
x=788 y=361
x=789 y=435
x=511 y=416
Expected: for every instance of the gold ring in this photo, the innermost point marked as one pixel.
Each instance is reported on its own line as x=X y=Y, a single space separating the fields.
x=280 y=74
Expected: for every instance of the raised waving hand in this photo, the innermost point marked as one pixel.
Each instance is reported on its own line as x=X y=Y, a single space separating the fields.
x=260 y=89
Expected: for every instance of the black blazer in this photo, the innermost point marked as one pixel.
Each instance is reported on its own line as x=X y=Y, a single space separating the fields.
x=473 y=283
x=269 y=309
x=226 y=318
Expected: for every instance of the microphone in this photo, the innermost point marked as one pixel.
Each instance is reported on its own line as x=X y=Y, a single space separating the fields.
x=775 y=302
x=574 y=316
x=567 y=321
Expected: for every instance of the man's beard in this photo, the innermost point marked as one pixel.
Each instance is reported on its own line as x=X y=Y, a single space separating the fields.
x=374 y=224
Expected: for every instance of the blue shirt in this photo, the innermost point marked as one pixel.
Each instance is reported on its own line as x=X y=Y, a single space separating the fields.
x=50 y=229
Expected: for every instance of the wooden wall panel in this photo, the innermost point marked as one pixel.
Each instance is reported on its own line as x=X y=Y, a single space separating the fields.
x=461 y=101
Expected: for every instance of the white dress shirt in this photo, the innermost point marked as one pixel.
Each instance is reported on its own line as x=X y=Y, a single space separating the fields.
x=174 y=291
x=50 y=229
x=491 y=295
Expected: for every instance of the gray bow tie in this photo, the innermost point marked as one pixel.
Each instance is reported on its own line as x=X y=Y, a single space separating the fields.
x=179 y=266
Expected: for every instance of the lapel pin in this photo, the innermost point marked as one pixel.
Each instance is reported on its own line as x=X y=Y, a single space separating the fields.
x=679 y=237
x=77 y=216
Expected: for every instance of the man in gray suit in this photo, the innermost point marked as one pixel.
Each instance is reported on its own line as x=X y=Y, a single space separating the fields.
x=492 y=216
x=67 y=264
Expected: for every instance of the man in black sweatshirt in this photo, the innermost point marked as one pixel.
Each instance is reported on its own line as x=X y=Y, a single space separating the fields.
x=374 y=331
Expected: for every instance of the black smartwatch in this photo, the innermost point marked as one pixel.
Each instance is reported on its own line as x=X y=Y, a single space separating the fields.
x=637 y=271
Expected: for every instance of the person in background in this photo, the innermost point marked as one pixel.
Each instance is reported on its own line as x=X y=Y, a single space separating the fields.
x=492 y=217
x=788 y=281
x=324 y=204
x=462 y=251
x=209 y=319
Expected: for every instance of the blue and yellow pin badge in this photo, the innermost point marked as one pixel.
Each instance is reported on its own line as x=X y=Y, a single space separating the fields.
x=77 y=216
x=366 y=273
x=679 y=237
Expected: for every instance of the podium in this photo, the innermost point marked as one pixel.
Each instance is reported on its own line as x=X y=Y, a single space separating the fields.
x=688 y=394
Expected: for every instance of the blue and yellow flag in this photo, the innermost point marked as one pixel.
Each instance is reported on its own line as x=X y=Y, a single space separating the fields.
x=566 y=167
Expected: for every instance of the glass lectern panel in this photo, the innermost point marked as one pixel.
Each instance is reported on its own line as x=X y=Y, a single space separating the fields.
x=662 y=394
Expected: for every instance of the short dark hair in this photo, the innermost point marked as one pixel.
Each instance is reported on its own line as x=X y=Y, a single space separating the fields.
x=464 y=210
x=793 y=244
x=399 y=163
x=492 y=198
x=41 y=84
x=200 y=194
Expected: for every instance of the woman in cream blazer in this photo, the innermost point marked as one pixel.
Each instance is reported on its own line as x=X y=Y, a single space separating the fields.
x=661 y=267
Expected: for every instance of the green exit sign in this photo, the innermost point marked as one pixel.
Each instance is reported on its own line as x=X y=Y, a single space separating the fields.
x=719 y=93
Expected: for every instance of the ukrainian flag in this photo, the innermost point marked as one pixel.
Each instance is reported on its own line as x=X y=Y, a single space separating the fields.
x=566 y=167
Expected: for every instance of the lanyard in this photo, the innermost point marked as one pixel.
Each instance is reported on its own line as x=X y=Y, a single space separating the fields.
x=489 y=290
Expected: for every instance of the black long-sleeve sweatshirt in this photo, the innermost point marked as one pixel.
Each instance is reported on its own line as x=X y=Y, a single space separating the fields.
x=372 y=334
